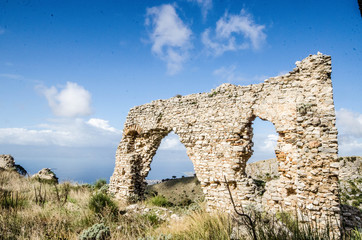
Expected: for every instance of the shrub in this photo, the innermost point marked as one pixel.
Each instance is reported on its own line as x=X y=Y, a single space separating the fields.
x=153 y=219
x=62 y=194
x=212 y=94
x=160 y=201
x=10 y=199
x=104 y=189
x=100 y=201
x=96 y=232
x=100 y=183
x=356 y=234
x=19 y=169
x=185 y=202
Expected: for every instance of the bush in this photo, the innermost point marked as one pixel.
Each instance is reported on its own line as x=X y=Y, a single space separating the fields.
x=10 y=199
x=19 y=169
x=100 y=183
x=104 y=189
x=153 y=219
x=96 y=232
x=100 y=201
x=185 y=202
x=160 y=201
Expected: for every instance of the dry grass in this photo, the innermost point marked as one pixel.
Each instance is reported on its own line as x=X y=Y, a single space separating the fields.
x=33 y=210
x=198 y=225
x=43 y=213
x=46 y=213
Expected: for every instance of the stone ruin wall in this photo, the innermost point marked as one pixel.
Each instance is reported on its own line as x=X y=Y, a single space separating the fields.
x=216 y=129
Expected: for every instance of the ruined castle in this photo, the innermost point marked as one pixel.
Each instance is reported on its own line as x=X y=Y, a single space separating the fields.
x=216 y=129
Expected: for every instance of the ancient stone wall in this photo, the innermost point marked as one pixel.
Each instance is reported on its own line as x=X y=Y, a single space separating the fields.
x=216 y=129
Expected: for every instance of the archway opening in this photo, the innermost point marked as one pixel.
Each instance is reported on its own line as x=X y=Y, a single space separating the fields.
x=263 y=164
x=172 y=174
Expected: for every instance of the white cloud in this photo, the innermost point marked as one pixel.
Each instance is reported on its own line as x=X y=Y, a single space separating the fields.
x=205 y=6
x=169 y=35
x=171 y=142
x=349 y=146
x=228 y=74
x=11 y=76
x=216 y=47
x=349 y=126
x=64 y=132
x=270 y=143
x=71 y=101
x=102 y=124
x=349 y=123
x=189 y=174
x=230 y=26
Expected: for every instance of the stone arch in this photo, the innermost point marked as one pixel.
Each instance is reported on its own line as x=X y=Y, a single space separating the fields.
x=215 y=128
x=135 y=154
x=165 y=164
x=286 y=167
x=137 y=149
x=256 y=122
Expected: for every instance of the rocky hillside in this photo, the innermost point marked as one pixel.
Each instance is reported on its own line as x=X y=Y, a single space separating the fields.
x=178 y=191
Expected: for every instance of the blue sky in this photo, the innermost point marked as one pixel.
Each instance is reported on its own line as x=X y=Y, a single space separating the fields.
x=71 y=70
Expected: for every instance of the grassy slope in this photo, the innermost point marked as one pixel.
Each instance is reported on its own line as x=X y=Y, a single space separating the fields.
x=179 y=190
x=60 y=217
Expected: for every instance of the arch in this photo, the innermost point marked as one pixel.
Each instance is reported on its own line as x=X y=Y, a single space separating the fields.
x=171 y=159
x=216 y=129
x=265 y=139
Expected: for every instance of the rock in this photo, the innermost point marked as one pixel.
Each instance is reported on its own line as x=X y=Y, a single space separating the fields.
x=47 y=175
x=7 y=162
x=175 y=217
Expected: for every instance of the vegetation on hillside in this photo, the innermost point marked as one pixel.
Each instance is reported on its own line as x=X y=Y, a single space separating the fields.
x=37 y=210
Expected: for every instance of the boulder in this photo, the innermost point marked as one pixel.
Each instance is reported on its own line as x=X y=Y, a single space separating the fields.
x=7 y=162
x=47 y=175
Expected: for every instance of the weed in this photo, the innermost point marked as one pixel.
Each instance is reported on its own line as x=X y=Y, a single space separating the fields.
x=40 y=195
x=153 y=219
x=213 y=94
x=62 y=194
x=11 y=200
x=96 y=232
x=185 y=202
x=99 y=183
x=159 y=201
x=100 y=201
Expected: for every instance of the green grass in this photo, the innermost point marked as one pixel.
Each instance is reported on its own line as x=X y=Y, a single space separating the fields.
x=159 y=201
